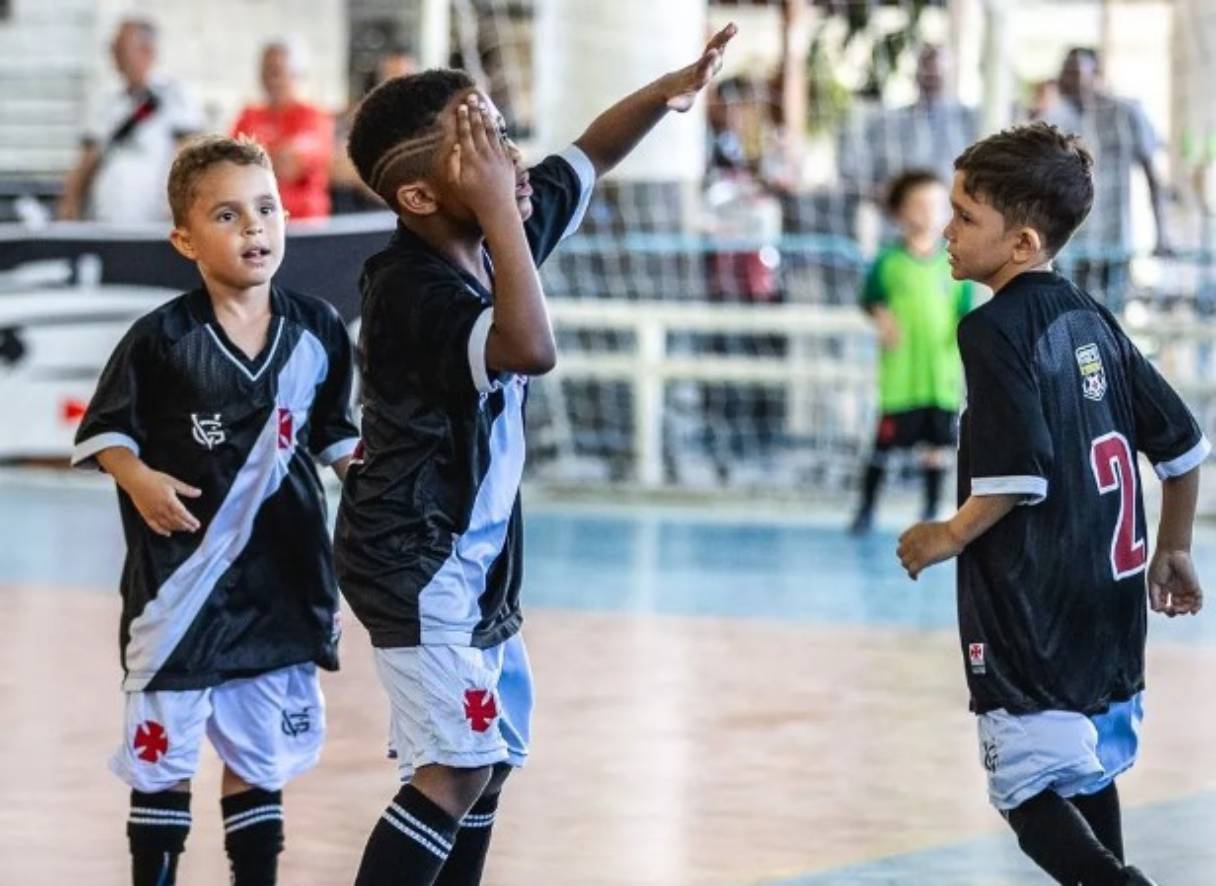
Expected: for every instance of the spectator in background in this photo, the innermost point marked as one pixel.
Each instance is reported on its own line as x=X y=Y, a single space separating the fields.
x=298 y=136
x=1120 y=136
x=131 y=138
x=346 y=189
x=928 y=134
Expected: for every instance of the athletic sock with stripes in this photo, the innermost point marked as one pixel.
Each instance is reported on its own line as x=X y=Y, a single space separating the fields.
x=157 y=829
x=253 y=835
x=468 y=858
x=409 y=844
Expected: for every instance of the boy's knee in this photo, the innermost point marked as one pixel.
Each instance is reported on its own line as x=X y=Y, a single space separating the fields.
x=498 y=777
x=452 y=789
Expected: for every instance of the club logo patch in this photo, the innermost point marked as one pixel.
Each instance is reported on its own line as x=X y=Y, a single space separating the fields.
x=975 y=657
x=286 y=428
x=1093 y=376
x=480 y=709
x=295 y=723
x=992 y=757
x=151 y=741
x=208 y=431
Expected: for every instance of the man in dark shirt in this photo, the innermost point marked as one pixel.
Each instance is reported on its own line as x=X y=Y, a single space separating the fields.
x=428 y=541
x=1050 y=533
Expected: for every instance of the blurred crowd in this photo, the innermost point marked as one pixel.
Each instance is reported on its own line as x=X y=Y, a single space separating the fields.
x=750 y=149
x=754 y=161
x=129 y=144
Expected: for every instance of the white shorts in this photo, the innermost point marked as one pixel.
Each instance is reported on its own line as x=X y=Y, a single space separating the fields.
x=267 y=729
x=456 y=705
x=1062 y=751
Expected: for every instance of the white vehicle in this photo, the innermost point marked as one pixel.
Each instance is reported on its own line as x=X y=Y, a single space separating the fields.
x=55 y=338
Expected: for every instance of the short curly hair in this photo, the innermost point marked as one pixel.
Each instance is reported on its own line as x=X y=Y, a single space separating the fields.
x=398 y=111
x=199 y=155
x=905 y=183
x=1034 y=175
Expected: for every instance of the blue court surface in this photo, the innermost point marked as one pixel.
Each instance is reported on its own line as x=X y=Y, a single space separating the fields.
x=788 y=568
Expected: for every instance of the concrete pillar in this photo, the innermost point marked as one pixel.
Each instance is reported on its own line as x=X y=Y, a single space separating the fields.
x=589 y=53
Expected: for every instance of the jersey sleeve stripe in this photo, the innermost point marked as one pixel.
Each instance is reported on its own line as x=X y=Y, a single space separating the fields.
x=585 y=170
x=335 y=451
x=84 y=451
x=1188 y=461
x=1034 y=488
x=477 y=352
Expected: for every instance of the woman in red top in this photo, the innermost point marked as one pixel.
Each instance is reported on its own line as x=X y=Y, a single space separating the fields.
x=298 y=136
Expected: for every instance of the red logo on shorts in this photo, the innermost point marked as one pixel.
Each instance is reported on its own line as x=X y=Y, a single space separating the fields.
x=480 y=708
x=151 y=741
x=286 y=428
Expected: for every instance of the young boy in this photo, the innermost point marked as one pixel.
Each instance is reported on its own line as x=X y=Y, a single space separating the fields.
x=208 y=416
x=429 y=540
x=916 y=307
x=1050 y=534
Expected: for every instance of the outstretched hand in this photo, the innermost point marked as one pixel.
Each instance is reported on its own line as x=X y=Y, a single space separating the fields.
x=685 y=83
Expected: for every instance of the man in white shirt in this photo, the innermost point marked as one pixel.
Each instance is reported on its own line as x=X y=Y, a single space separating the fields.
x=129 y=143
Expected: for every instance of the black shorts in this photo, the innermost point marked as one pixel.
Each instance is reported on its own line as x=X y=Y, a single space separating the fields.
x=903 y=430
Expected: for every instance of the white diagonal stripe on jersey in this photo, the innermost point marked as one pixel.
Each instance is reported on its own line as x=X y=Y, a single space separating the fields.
x=250 y=822
x=256 y=810
x=156 y=631
x=477 y=821
x=422 y=826
x=414 y=835
x=449 y=605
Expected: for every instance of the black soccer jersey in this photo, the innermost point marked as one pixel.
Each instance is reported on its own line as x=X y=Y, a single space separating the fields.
x=1052 y=600
x=428 y=541
x=253 y=589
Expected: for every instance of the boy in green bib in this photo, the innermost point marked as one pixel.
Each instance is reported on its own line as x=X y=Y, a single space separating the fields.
x=915 y=305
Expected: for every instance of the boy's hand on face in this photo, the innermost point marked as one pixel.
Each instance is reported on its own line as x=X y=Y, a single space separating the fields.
x=682 y=86
x=1173 y=586
x=155 y=496
x=480 y=168
x=925 y=544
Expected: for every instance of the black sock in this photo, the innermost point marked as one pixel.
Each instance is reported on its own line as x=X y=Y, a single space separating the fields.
x=157 y=829
x=869 y=487
x=409 y=844
x=468 y=858
x=1058 y=839
x=253 y=835
x=933 y=490
x=1102 y=812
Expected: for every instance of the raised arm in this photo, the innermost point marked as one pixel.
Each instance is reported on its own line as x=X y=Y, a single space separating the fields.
x=617 y=131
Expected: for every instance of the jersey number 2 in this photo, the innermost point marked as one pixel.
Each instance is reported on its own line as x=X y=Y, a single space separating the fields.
x=1110 y=456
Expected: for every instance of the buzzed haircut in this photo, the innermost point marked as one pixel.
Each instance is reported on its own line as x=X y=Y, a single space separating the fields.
x=395 y=134
x=199 y=155
x=1035 y=176
x=905 y=183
